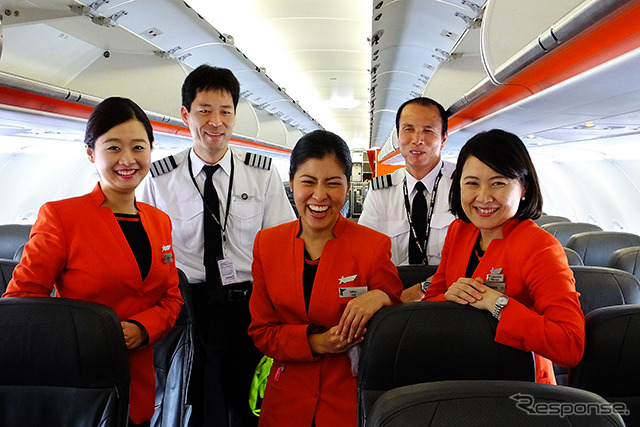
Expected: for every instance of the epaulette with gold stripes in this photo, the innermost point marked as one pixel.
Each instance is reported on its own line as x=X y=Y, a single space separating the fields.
x=258 y=161
x=381 y=182
x=162 y=166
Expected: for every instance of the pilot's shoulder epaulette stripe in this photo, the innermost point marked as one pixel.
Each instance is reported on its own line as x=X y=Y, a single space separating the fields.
x=258 y=161
x=381 y=182
x=162 y=166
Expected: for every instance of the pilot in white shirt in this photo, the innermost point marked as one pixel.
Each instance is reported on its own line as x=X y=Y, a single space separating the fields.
x=421 y=124
x=250 y=196
x=258 y=201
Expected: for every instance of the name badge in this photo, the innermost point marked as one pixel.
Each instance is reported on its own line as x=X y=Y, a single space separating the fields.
x=352 y=292
x=495 y=280
x=227 y=270
x=167 y=257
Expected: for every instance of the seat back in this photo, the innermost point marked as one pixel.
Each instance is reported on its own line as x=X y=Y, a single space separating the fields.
x=601 y=287
x=610 y=365
x=63 y=362
x=12 y=239
x=564 y=230
x=572 y=257
x=433 y=341
x=172 y=361
x=415 y=273
x=546 y=219
x=627 y=259
x=597 y=247
x=6 y=271
x=490 y=403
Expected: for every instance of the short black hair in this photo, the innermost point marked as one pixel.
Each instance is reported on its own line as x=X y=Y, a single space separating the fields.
x=112 y=112
x=206 y=77
x=425 y=102
x=318 y=145
x=506 y=154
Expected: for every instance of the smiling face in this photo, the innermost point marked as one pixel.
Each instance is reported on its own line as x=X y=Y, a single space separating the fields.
x=489 y=199
x=320 y=188
x=211 y=120
x=420 y=138
x=122 y=156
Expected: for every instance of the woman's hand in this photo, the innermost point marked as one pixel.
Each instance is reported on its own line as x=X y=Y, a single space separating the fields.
x=330 y=342
x=473 y=292
x=359 y=310
x=134 y=336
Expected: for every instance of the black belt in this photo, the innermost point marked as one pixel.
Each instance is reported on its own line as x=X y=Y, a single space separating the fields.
x=234 y=293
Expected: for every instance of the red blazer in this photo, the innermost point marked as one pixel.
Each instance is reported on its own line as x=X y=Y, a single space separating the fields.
x=302 y=385
x=543 y=314
x=78 y=247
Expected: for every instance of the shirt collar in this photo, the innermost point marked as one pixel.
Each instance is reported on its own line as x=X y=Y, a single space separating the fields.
x=197 y=163
x=428 y=181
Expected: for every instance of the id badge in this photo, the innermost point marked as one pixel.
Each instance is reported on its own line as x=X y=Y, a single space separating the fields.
x=352 y=292
x=495 y=280
x=498 y=286
x=227 y=271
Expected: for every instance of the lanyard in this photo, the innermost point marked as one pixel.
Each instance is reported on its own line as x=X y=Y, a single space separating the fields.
x=423 y=247
x=226 y=214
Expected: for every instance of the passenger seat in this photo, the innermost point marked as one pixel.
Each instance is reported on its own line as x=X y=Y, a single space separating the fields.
x=173 y=356
x=597 y=247
x=433 y=341
x=564 y=230
x=627 y=259
x=601 y=287
x=12 y=240
x=610 y=365
x=63 y=362
x=546 y=219
x=6 y=271
x=489 y=403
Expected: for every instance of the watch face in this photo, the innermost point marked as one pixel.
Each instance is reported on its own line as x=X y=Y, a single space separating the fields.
x=502 y=300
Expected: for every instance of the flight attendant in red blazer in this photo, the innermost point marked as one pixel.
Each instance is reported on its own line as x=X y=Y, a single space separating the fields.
x=496 y=258
x=107 y=248
x=317 y=282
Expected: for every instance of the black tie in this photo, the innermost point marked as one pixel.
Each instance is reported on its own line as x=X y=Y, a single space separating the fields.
x=212 y=229
x=419 y=220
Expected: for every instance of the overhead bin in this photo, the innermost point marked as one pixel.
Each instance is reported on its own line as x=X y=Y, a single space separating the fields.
x=140 y=49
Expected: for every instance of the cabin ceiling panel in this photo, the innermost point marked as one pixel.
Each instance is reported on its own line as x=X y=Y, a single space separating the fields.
x=410 y=39
x=316 y=49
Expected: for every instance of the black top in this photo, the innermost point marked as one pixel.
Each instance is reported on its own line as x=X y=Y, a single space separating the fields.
x=474 y=259
x=138 y=241
x=308 y=276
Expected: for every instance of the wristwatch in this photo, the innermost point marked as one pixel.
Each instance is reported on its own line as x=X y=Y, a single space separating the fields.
x=424 y=285
x=501 y=303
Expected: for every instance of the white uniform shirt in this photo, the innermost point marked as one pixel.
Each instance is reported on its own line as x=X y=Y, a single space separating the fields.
x=258 y=201
x=384 y=210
